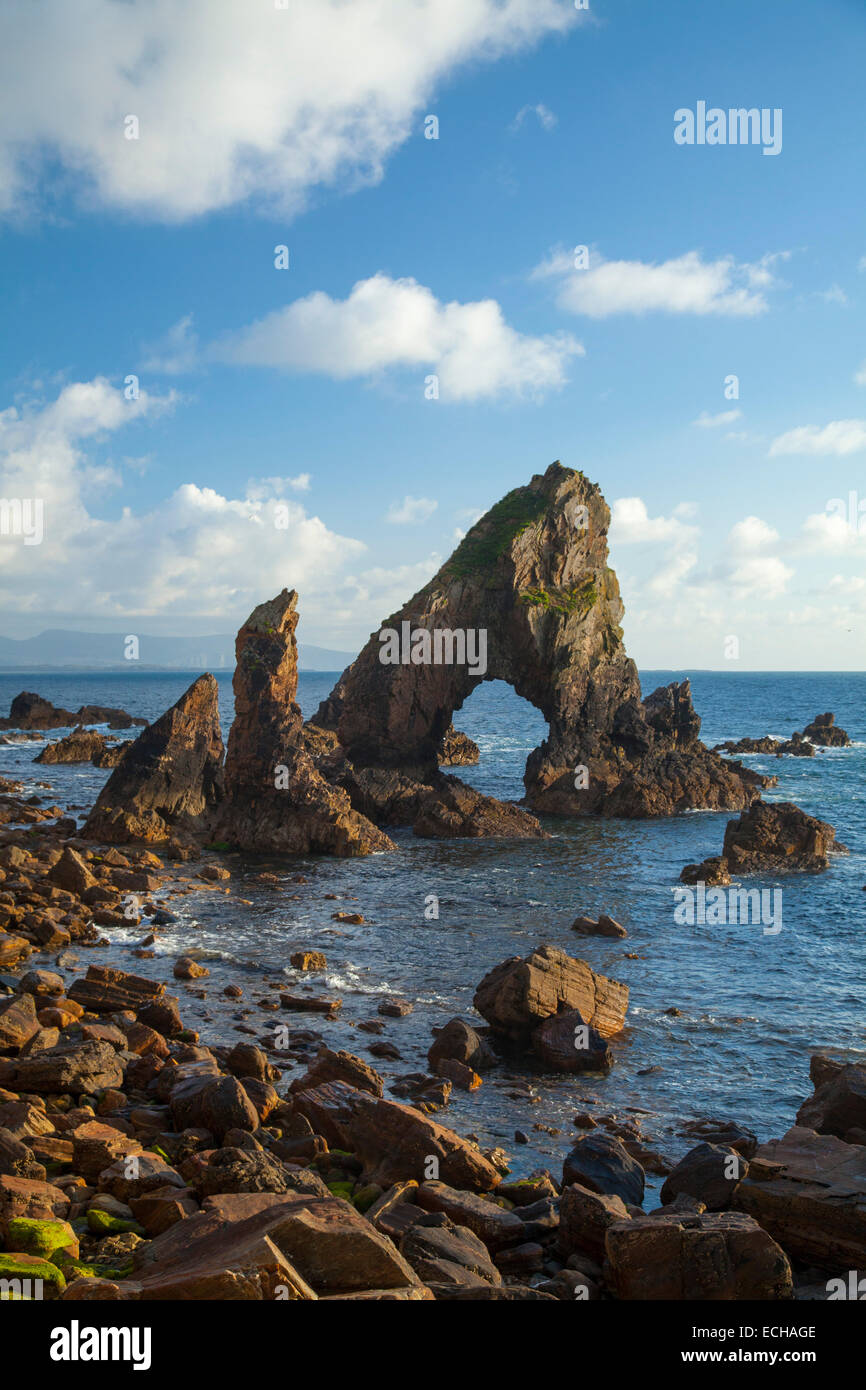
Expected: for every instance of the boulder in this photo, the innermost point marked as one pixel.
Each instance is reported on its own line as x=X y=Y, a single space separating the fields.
x=443 y=1252
x=458 y=1042
x=585 y=1218
x=325 y=1242
x=519 y=994
x=339 y=1066
x=563 y=1042
x=215 y=1103
x=395 y=1142
x=838 y=1105
x=18 y=1022
x=809 y=1191
x=490 y=1222
x=604 y=926
x=709 y=1172
x=70 y=1069
x=722 y=1255
x=601 y=1163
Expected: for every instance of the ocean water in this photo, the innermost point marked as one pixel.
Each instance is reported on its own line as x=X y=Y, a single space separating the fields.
x=753 y=1007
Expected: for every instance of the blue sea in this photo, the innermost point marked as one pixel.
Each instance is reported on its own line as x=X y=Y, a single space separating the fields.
x=753 y=1007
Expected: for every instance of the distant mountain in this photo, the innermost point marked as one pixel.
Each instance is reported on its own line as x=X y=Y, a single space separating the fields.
x=61 y=649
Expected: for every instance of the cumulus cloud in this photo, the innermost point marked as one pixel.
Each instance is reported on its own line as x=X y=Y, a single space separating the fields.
x=387 y=323
x=684 y=285
x=761 y=576
x=839 y=438
x=631 y=524
x=196 y=552
x=752 y=534
x=234 y=100
x=410 y=510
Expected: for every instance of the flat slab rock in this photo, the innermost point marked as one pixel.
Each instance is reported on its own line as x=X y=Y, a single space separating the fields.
x=809 y=1191
x=308 y=1245
x=716 y=1255
x=394 y=1141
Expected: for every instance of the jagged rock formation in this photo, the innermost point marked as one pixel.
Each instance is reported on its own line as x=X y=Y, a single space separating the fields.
x=824 y=731
x=29 y=711
x=81 y=746
x=169 y=783
x=457 y=749
x=775 y=838
x=532 y=577
x=276 y=798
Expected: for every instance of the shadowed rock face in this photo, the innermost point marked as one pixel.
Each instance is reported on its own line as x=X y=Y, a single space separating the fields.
x=276 y=799
x=170 y=779
x=532 y=575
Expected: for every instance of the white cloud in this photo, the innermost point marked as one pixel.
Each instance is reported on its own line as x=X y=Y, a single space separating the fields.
x=685 y=285
x=670 y=576
x=838 y=528
x=197 y=552
x=860 y=374
x=840 y=437
x=631 y=524
x=715 y=422
x=545 y=117
x=387 y=323
x=234 y=100
x=410 y=510
x=752 y=534
x=761 y=576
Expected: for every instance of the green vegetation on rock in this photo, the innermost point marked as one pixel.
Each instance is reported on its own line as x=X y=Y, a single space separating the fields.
x=492 y=535
x=579 y=599
x=102 y=1223
x=28 y=1236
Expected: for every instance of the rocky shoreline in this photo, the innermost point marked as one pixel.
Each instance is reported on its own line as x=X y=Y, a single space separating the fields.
x=137 y=1162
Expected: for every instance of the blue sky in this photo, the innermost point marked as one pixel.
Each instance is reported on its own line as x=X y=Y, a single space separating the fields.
x=454 y=256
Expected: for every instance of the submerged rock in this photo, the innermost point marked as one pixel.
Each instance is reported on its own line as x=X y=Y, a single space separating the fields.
x=170 y=781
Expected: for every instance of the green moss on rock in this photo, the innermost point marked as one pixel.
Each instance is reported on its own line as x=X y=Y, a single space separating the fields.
x=102 y=1223
x=44 y=1238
